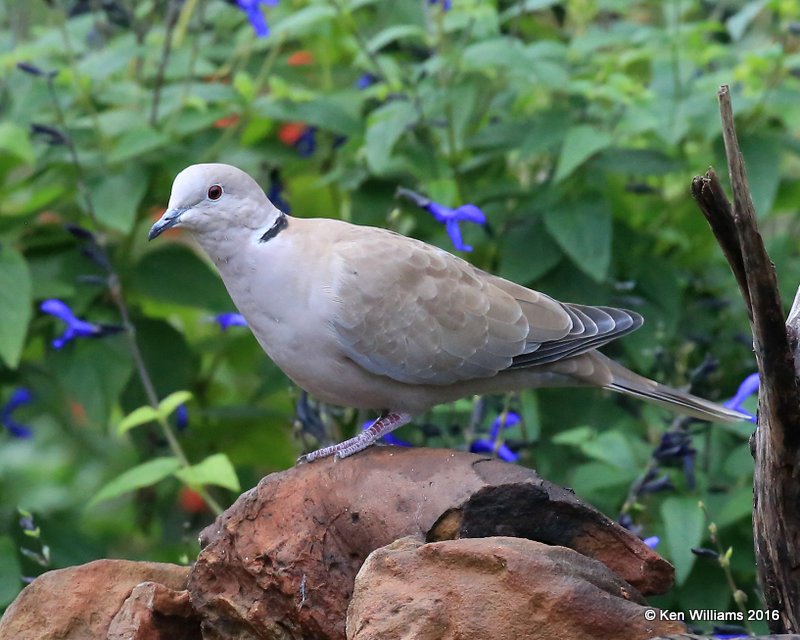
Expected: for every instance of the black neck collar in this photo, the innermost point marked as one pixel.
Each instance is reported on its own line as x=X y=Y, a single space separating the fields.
x=281 y=222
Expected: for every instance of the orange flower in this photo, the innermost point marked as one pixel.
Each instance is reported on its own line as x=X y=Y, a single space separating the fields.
x=290 y=132
x=78 y=413
x=49 y=217
x=191 y=501
x=300 y=58
x=227 y=121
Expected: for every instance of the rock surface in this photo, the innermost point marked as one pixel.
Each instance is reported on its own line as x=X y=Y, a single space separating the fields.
x=155 y=612
x=493 y=588
x=281 y=562
x=79 y=603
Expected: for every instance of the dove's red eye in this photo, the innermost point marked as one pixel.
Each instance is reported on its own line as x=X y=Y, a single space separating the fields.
x=214 y=192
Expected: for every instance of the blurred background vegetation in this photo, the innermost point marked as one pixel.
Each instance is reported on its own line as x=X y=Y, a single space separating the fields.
x=576 y=126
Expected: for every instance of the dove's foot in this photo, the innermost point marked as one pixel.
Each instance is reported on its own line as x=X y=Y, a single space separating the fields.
x=383 y=425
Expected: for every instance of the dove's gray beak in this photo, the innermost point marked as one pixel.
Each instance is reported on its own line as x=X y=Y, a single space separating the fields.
x=170 y=218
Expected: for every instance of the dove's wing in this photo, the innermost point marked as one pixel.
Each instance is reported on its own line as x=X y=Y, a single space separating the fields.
x=420 y=315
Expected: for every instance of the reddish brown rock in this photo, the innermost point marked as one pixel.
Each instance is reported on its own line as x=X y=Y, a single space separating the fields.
x=281 y=562
x=78 y=603
x=494 y=588
x=155 y=612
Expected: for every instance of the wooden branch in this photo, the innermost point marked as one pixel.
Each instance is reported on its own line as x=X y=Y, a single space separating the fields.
x=711 y=198
x=776 y=509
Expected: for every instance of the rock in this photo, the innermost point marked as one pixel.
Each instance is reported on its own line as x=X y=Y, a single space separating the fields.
x=281 y=562
x=155 y=612
x=79 y=602
x=495 y=587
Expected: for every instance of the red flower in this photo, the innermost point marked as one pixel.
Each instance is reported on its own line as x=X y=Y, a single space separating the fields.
x=227 y=121
x=290 y=133
x=191 y=501
x=300 y=58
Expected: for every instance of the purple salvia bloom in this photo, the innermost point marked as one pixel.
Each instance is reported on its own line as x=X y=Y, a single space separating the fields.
x=275 y=192
x=389 y=438
x=652 y=541
x=181 y=417
x=489 y=445
x=748 y=388
x=446 y=4
x=507 y=420
x=365 y=80
x=19 y=397
x=447 y=216
x=306 y=144
x=254 y=14
x=76 y=328
x=226 y=320
x=452 y=217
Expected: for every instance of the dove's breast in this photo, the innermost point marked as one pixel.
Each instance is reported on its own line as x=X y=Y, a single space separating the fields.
x=284 y=289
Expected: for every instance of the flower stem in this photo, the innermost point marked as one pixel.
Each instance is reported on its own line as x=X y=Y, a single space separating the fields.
x=115 y=289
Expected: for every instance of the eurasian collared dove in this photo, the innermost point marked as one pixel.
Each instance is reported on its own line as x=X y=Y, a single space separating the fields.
x=364 y=317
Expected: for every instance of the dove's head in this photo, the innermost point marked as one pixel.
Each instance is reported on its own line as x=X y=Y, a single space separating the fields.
x=208 y=198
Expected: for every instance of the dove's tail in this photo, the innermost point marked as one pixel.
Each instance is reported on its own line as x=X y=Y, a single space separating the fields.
x=632 y=384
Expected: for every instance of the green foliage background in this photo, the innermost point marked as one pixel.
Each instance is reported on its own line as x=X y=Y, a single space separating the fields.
x=576 y=126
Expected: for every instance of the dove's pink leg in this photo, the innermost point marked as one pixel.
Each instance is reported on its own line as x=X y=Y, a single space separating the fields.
x=383 y=425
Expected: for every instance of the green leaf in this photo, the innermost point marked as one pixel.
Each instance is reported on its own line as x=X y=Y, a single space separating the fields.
x=737 y=507
x=244 y=84
x=143 y=475
x=580 y=144
x=300 y=22
x=385 y=127
x=173 y=401
x=15 y=304
x=395 y=32
x=117 y=197
x=175 y=274
x=93 y=375
x=216 y=469
x=683 y=528
x=505 y=53
x=528 y=253
x=526 y=6
x=323 y=112
x=137 y=417
x=137 y=142
x=9 y=579
x=762 y=153
x=737 y=24
x=583 y=231
x=15 y=140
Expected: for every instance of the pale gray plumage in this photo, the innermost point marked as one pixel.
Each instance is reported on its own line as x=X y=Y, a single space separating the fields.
x=364 y=317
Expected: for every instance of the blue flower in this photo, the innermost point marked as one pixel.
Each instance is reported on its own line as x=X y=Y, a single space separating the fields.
x=450 y=218
x=748 y=388
x=21 y=396
x=254 y=14
x=365 y=80
x=226 y=320
x=652 y=541
x=446 y=4
x=306 y=144
x=275 y=192
x=181 y=417
x=389 y=438
x=489 y=445
x=676 y=448
x=76 y=328
x=626 y=522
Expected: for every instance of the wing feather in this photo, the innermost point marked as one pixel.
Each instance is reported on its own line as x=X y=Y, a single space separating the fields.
x=419 y=315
